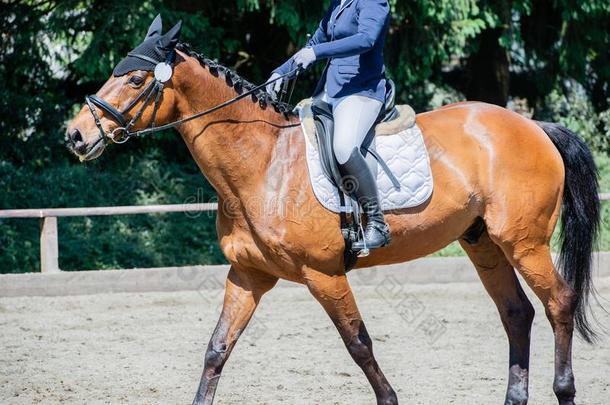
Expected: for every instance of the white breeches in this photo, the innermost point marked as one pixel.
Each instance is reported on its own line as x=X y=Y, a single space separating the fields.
x=354 y=116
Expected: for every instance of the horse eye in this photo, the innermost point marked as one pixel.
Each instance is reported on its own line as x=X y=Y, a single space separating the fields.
x=136 y=80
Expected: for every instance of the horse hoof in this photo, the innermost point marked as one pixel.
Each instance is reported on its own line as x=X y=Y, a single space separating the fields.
x=389 y=400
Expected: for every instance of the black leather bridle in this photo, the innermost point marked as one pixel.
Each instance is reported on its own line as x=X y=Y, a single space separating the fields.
x=154 y=90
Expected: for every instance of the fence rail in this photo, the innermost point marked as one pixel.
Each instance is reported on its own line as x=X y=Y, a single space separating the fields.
x=49 y=246
x=49 y=241
x=96 y=211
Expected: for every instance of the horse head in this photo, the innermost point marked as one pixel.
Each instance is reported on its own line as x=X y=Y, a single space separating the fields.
x=139 y=94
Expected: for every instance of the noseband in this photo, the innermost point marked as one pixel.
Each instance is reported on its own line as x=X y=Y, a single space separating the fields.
x=163 y=72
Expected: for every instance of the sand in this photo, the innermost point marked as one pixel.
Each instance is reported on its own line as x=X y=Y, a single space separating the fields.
x=436 y=343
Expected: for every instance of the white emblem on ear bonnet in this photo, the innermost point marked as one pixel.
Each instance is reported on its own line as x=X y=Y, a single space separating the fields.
x=163 y=72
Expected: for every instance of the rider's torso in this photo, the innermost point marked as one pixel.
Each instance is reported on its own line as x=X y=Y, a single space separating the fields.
x=356 y=74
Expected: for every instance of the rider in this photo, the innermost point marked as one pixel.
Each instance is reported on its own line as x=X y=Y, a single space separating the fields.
x=351 y=36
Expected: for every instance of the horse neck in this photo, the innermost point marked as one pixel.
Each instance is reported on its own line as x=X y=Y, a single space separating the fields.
x=235 y=146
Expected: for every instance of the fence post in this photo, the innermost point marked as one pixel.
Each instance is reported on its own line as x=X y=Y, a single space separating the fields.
x=49 y=249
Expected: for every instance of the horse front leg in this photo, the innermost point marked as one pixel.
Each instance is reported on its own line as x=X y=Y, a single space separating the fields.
x=335 y=295
x=243 y=291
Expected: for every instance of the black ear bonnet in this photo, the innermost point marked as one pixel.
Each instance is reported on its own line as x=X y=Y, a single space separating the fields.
x=155 y=49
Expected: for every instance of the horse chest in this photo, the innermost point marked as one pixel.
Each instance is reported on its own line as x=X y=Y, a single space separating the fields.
x=280 y=247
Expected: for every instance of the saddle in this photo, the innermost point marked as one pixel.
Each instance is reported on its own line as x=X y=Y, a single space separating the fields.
x=324 y=133
x=324 y=123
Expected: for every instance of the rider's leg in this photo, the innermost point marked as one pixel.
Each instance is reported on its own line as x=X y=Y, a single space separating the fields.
x=354 y=117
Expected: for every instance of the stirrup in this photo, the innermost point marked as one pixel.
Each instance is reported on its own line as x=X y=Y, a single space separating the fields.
x=382 y=228
x=365 y=251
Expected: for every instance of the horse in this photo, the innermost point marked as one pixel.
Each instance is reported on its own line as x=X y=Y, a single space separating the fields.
x=501 y=182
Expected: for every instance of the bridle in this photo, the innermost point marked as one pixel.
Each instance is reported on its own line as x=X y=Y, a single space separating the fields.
x=163 y=73
x=121 y=134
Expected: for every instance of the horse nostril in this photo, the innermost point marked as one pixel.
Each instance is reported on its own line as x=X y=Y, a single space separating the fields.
x=76 y=136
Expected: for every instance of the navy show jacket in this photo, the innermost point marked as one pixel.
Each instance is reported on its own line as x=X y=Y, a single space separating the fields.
x=351 y=36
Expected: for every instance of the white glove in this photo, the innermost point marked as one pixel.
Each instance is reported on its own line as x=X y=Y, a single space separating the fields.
x=273 y=88
x=305 y=57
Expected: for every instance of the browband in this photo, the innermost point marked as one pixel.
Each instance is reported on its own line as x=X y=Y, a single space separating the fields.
x=143 y=57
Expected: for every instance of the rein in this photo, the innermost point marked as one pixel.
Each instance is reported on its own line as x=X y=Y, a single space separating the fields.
x=163 y=72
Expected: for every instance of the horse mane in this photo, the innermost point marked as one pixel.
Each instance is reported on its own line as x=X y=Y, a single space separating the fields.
x=234 y=80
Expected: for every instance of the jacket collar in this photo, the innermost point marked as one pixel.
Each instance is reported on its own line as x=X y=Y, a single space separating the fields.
x=342 y=7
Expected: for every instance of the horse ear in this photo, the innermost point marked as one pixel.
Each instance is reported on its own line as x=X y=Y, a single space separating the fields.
x=170 y=39
x=155 y=28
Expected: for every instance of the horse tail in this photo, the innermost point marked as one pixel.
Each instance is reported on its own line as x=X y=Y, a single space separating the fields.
x=580 y=220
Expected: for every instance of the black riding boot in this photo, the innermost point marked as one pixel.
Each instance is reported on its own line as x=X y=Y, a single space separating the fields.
x=359 y=181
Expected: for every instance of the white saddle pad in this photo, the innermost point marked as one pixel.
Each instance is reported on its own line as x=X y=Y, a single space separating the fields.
x=399 y=143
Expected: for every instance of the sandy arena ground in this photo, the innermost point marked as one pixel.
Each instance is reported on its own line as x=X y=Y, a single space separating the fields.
x=437 y=344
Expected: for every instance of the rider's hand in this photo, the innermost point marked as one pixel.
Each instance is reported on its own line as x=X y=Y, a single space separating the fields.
x=305 y=57
x=273 y=88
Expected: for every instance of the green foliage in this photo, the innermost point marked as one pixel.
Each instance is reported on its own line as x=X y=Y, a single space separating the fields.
x=570 y=106
x=603 y=166
x=559 y=39
x=426 y=34
x=144 y=177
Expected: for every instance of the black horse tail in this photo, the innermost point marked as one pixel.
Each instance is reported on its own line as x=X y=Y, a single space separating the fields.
x=580 y=220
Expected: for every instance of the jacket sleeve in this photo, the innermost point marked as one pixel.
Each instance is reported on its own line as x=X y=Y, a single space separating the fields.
x=318 y=37
x=371 y=21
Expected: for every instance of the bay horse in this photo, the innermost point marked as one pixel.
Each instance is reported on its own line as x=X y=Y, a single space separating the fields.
x=501 y=181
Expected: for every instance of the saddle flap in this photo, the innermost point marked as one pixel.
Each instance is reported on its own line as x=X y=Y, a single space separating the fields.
x=323 y=135
x=319 y=107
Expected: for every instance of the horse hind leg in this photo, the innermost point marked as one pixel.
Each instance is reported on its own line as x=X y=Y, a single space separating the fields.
x=527 y=249
x=536 y=266
x=516 y=311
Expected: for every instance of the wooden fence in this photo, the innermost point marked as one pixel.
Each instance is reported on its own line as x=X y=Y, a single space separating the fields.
x=49 y=247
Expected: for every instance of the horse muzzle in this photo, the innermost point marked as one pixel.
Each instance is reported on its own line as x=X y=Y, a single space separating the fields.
x=85 y=150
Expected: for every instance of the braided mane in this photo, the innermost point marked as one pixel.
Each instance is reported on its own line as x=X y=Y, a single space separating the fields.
x=234 y=80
